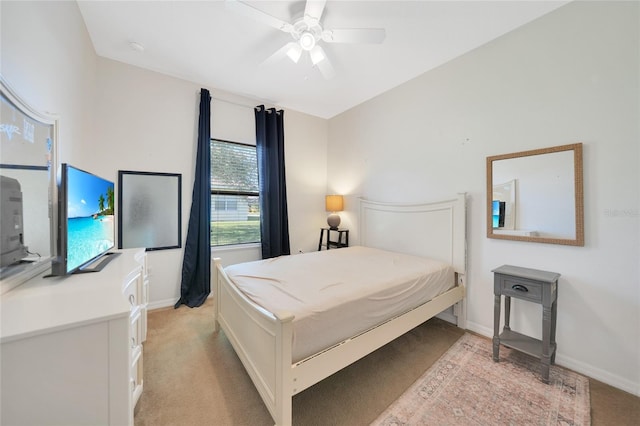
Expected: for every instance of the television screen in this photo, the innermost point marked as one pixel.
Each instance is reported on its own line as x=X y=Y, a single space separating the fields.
x=87 y=229
x=498 y=213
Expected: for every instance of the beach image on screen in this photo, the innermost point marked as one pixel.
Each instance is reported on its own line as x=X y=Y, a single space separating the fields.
x=90 y=225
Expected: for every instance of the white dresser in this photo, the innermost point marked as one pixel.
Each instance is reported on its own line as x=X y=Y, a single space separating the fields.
x=71 y=347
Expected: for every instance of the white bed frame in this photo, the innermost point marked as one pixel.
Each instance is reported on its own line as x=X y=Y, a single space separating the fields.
x=263 y=339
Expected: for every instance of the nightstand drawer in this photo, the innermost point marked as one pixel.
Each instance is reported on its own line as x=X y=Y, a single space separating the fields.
x=521 y=288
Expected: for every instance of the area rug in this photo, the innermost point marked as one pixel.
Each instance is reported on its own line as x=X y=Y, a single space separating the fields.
x=466 y=387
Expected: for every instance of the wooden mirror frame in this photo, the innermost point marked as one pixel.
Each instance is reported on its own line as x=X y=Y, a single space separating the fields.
x=578 y=190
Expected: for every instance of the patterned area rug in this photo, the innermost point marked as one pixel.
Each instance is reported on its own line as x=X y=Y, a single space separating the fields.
x=466 y=387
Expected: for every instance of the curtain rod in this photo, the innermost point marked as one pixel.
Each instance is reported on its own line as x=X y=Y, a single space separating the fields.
x=244 y=105
x=233 y=103
x=267 y=110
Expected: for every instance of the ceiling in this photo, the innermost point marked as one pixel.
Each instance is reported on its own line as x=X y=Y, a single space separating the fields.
x=219 y=48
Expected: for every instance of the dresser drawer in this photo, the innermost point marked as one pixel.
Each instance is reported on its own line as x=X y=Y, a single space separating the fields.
x=135 y=326
x=520 y=288
x=144 y=305
x=132 y=293
x=136 y=375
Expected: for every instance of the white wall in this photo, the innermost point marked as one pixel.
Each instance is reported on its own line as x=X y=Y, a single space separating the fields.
x=147 y=122
x=117 y=117
x=571 y=76
x=306 y=167
x=48 y=58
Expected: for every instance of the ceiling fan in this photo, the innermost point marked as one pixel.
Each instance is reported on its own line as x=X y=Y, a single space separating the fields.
x=307 y=32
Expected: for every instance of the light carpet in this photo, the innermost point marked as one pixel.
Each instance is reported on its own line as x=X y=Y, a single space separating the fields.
x=466 y=387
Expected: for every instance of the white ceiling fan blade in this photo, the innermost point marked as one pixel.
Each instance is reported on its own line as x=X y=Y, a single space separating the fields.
x=281 y=53
x=313 y=11
x=355 y=35
x=258 y=15
x=324 y=65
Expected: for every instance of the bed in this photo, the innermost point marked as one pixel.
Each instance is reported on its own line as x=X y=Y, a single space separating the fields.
x=274 y=343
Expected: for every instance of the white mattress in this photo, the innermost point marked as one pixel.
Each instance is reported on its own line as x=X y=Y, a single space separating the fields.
x=336 y=294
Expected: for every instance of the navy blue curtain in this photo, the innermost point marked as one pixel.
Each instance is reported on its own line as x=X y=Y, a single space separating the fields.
x=274 y=220
x=196 y=265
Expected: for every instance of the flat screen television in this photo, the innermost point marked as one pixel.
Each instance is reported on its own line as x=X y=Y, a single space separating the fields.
x=86 y=229
x=498 y=213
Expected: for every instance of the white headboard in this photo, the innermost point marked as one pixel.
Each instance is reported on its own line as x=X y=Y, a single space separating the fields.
x=436 y=230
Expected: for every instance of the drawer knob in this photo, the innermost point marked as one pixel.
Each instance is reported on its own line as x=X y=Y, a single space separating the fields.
x=519 y=287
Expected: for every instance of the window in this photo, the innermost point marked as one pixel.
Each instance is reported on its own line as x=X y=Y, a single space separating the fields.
x=235 y=208
x=223 y=203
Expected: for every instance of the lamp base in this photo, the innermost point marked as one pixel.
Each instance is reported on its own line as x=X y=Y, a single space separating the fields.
x=333 y=220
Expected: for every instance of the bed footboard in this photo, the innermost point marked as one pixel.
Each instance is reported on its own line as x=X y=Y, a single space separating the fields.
x=317 y=367
x=262 y=341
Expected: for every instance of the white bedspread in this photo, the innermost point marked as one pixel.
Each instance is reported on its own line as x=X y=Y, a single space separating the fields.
x=336 y=294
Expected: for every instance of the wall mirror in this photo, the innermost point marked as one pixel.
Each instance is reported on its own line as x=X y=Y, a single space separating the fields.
x=28 y=144
x=537 y=196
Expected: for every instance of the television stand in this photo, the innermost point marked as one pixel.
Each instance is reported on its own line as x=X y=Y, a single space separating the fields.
x=101 y=263
x=72 y=346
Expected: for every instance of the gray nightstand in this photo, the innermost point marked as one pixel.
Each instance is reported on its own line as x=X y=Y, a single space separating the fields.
x=534 y=286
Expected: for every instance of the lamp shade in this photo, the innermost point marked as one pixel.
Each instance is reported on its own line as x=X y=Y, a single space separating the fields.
x=334 y=203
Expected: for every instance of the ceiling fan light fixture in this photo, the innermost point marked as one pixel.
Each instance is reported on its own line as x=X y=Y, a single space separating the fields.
x=294 y=52
x=307 y=40
x=317 y=55
x=307 y=33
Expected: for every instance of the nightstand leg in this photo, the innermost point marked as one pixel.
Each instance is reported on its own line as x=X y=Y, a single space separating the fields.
x=546 y=341
x=507 y=312
x=496 y=328
x=554 y=346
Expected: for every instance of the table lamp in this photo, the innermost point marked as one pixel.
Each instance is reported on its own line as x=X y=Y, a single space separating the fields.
x=333 y=204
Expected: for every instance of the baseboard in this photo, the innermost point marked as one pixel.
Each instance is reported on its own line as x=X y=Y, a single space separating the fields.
x=480 y=329
x=159 y=304
x=575 y=365
x=598 y=374
x=447 y=316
